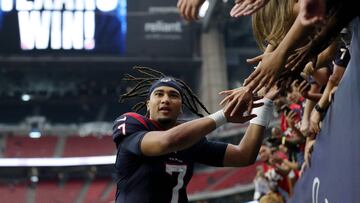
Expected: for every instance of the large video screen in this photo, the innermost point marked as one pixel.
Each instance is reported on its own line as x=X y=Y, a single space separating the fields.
x=116 y=27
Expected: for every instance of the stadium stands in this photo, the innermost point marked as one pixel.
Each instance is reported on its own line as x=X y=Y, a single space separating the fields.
x=13 y=192
x=221 y=179
x=103 y=190
x=238 y=176
x=51 y=191
x=99 y=191
x=96 y=191
x=88 y=146
x=202 y=180
x=23 y=146
x=111 y=195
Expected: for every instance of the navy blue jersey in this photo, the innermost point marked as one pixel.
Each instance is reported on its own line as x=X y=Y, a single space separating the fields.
x=160 y=179
x=342 y=57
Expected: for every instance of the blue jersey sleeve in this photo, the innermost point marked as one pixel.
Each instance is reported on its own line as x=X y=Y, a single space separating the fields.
x=128 y=131
x=210 y=152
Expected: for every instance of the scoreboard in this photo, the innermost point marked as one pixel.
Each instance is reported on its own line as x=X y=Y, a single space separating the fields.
x=112 y=27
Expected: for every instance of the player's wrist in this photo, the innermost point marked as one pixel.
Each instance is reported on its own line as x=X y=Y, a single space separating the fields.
x=219 y=118
x=263 y=113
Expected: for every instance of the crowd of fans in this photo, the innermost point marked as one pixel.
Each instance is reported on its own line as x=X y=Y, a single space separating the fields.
x=300 y=107
x=306 y=51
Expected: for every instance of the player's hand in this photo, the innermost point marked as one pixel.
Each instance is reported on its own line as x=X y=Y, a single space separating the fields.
x=246 y=7
x=266 y=72
x=237 y=101
x=189 y=9
x=239 y=118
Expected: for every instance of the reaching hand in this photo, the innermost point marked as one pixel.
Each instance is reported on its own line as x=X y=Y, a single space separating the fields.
x=246 y=7
x=309 y=147
x=312 y=11
x=300 y=58
x=272 y=93
x=308 y=70
x=315 y=122
x=290 y=118
x=332 y=93
x=304 y=88
x=266 y=72
x=189 y=9
x=304 y=128
x=238 y=101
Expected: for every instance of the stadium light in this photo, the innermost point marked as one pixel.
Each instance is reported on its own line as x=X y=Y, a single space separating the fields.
x=35 y=130
x=34 y=175
x=35 y=134
x=25 y=97
x=34 y=179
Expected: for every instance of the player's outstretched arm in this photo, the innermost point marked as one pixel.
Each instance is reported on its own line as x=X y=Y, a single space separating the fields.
x=246 y=151
x=155 y=143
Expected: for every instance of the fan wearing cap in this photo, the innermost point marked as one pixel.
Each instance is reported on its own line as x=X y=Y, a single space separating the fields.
x=156 y=153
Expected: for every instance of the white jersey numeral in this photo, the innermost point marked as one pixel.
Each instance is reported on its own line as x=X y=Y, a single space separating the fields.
x=122 y=128
x=181 y=169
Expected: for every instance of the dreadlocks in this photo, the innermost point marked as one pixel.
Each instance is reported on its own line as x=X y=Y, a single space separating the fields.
x=142 y=87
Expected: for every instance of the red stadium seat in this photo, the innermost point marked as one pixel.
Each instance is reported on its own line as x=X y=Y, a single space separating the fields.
x=202 y=180
x=221 y=179
x=23 y=146
x=95 y=191
x=13 y=192
x=51 y=191
x=110 y=198
x=238 y=176
x=89 y=146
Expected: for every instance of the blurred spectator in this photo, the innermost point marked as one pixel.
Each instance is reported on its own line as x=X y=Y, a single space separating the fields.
x=271 y=198
x=277 y=170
